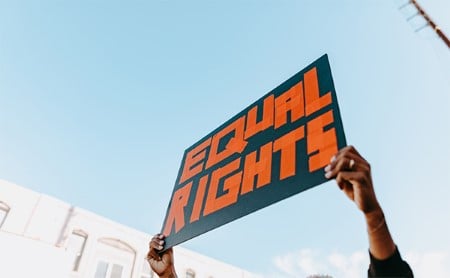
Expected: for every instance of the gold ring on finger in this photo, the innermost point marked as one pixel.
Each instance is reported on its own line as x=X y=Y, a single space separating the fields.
x=351 y=164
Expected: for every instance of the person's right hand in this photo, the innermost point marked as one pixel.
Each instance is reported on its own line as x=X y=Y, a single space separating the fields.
x=161 y=263
x=352 y=174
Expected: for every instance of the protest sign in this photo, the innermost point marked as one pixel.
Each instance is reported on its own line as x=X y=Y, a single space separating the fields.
x=273 y=149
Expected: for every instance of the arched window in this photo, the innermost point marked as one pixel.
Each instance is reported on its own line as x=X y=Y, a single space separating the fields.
x=190 y=273
x=77 y=242
x=115 y=258
x=4 y=210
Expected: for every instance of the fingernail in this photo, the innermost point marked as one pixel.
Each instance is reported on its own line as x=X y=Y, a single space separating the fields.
x=327 y=175
x=160 y=247
x=161 y=242
x=328 y=168
x=333 y=158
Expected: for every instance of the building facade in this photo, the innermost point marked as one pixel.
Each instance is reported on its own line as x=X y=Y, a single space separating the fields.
x=41 y=236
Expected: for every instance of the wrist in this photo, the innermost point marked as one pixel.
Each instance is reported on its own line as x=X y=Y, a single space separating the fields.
x=374 y=219
x=375 y=212
x=381 y=244
x=375 y=222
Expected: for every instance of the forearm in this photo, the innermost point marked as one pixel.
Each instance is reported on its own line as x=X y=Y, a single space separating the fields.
x=380 y=240
x=170 y=273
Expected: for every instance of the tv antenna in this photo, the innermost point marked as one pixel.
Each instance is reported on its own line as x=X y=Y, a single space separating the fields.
x=428 y=21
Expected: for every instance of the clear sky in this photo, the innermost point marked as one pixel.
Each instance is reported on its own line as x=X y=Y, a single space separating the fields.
x=99 y=100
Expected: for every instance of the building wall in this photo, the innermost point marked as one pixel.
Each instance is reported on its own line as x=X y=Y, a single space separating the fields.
x=25 y=257
x=49 y=234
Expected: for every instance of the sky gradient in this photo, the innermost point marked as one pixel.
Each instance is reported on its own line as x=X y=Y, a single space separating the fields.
x=99 y=100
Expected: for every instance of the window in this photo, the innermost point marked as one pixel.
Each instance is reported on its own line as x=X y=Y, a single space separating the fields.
x=190 y=273
x=146 y=270
x=107 y=270
x=116 y=271
x=4 y=209
x=102 y=268
x=77 y=242
x=119 y=256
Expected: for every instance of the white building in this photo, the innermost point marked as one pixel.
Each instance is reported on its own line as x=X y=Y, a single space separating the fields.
x=43 y=237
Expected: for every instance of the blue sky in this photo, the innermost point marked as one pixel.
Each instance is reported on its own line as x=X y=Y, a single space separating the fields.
x=99 y=99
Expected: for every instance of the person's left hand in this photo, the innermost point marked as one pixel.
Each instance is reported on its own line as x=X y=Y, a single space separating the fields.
x=161 y=263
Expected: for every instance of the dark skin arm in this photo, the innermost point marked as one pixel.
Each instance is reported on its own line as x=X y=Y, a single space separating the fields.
x=353 y=176
x=161 y=263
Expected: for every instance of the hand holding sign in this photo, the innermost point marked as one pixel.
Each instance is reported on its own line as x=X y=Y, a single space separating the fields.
x=274 y=149
x=352 y=174
x=161 y=263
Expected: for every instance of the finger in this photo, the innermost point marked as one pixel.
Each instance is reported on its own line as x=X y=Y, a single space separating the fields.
x=353 y=150
x=158 y=236
x=349 y=191
x=151 y=260
x=346 y=177
x=155 y=237
x=336 y=159
x=345 y=161
x=157 y=244
x=351 y=153
x=342 y=183
x=153 y=255
x=345 y=150
x=348 y=150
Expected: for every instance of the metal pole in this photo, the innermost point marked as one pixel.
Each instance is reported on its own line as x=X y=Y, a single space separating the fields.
x=433 y=25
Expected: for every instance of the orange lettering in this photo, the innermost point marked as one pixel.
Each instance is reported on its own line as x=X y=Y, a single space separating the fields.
x=261 y=169
x=287 y=145
x=199 y=199
x=230 y=187
x=193 y=163
x=289 y=101
x=236 y=144
x=313 y=101
x=176 y=213
x=321 y=145
x=253 y=127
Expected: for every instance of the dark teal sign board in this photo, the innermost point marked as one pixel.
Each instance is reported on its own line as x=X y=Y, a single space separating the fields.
x=273 y=149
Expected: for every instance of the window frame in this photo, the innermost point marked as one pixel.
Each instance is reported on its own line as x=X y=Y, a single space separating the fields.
x=4 y=207
x=109 y=268
x=79 y=255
